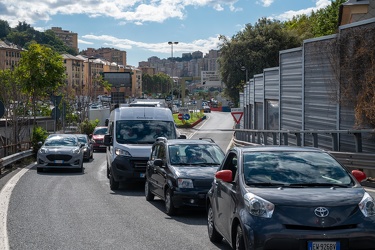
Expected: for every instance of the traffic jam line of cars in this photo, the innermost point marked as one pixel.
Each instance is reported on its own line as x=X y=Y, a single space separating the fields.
x=264 y=197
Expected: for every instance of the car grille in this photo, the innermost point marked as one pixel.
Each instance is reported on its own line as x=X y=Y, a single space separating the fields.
x=59 y=157
x=206 y=184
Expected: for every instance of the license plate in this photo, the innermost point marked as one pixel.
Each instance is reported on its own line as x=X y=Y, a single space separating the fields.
x=102 y=146
x=323 y=245
x=59 y=161
x=142 y=175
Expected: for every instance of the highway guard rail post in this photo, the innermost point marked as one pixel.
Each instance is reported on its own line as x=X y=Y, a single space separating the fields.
x=10 y=159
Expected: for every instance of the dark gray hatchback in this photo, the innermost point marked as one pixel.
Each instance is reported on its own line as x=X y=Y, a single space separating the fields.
x=181 y=172
x=289 y=198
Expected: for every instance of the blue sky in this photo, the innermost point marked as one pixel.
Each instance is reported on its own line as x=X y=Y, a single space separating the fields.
x=144 y=27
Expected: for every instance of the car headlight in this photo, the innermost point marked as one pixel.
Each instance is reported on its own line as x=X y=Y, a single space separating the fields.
x=367 y=205
x=185 y=183
x=119 y=151
x=43 y=150
x=257 y=206
x=76 y=151
x=85 y=149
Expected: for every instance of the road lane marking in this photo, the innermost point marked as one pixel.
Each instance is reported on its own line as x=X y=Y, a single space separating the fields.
x=5 y=194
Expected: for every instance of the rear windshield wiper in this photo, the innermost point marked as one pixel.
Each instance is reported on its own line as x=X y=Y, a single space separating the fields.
x=266 y=184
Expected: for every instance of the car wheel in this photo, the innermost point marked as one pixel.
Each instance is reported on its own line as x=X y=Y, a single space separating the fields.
x=240 y=242
x=169 y=207
x=213 y=235
x=113 y=184
x=149 y=196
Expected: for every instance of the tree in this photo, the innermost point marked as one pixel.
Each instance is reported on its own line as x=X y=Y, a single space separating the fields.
x=4 y=29
x=255 y=48
x=41 y=72
x=16 y=103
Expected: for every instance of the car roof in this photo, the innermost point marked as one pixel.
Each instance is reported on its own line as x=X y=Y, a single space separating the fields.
x=281 y=148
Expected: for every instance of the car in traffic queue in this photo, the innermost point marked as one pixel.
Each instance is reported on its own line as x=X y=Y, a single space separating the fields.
x=206 y=109
x=180 y=172
x=60 y=151
x=285 y=197
x=98 y=138
x=88 y=149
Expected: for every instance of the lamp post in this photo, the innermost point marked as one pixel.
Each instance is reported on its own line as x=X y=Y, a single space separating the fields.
x=171 y=43
x=243 y=68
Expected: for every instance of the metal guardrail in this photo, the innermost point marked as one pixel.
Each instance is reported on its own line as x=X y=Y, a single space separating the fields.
x=7 y=160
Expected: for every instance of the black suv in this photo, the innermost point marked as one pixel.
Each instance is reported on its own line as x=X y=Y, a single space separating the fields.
x=181 y=171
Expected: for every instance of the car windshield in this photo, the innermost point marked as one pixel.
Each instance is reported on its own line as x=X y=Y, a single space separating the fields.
x=143 y=131
x=195 y=154
x=82 y=139
x=293 y=169
x=100 y=131
x=61 y=141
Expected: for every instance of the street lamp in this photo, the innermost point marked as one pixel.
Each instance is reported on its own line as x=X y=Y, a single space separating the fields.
x=171 y=43
x=243 y=68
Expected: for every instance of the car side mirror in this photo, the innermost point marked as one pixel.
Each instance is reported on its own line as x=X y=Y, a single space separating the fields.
x=107 y=140
x=224 y=175
x=359 y=175
x=158 y=162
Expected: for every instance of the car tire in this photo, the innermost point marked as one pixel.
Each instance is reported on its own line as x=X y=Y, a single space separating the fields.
x=169 y=207
x=39 y=170
x=239 y=242
x=149 y=196
x=213 y=235
x=113 y=184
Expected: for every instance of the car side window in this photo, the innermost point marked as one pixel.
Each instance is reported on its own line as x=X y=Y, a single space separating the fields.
x=231 y=164
x=161 y=152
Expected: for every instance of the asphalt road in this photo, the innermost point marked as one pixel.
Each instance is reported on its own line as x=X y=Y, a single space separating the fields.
x=67 y=210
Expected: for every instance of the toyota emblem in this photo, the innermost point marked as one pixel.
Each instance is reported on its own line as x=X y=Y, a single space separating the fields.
x=321 y=212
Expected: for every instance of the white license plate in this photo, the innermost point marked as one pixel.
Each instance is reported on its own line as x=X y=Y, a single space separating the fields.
x=59 y=161
x=323 y=245
x=142 y=175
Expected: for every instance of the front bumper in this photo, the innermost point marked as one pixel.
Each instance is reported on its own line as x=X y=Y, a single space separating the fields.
x=193 y=198
x=266 y=235
x=129 y=169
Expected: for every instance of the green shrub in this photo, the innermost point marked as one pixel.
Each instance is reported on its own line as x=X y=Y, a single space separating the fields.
x=39 y=135
x=87 y=127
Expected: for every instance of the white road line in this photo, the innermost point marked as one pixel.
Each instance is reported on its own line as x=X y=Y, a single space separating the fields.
x=5 y=194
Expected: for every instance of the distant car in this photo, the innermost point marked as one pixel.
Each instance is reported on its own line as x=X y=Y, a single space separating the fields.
x=174 y=109
x=98 y=138
x=60 y=151
x=271 y=197
x=88 y=149
x=181 y=171
x=206 y=109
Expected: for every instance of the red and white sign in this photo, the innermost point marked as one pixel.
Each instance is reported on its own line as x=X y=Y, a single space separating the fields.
x=237 y=114
x=180 y=116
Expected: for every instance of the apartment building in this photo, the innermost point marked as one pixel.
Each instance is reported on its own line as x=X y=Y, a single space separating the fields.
x=74 y=68
x=10 y=54
x=69 y=38
x=109 y=54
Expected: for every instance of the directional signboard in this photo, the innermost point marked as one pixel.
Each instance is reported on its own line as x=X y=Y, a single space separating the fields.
x=237 y=114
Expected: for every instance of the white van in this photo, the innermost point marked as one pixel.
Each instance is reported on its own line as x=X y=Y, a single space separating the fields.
x=131 y=133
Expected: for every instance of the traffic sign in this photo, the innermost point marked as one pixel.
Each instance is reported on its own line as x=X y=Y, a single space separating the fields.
x=186 y=117
x=180 y=116
x=237 y=114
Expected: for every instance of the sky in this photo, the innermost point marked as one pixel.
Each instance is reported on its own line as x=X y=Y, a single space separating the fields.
x=143 y=28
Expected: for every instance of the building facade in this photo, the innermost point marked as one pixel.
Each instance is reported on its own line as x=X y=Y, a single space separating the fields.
x=69 y=38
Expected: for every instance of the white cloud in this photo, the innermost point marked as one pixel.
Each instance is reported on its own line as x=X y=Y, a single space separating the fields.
x=203 y=45
x=267 y=3
x=137 y=11
x=289 y=14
